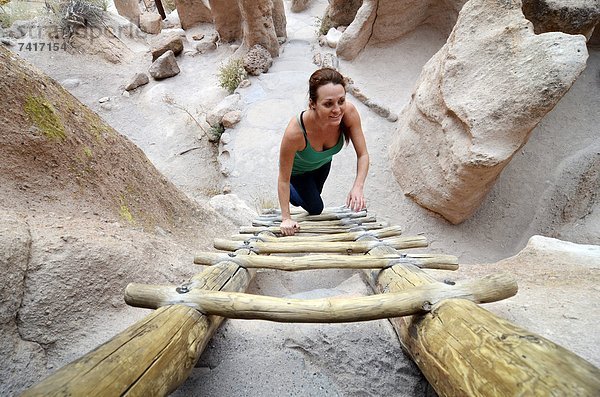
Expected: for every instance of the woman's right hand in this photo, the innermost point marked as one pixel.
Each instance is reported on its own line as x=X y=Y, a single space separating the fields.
x=289 y=227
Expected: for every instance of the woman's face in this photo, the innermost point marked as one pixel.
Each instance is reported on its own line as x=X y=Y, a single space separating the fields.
x=331 y=103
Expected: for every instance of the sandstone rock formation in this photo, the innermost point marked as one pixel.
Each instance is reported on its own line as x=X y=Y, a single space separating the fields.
x=570 y=208
x=299 y=5
x=258 y=26
x=165 y=66
x=138 y=80
x=358 y=33
x=257 y=60
x=164 y=43
x=572 y=17
x=150 y=23
x=254 y=22
x=230 y=119
x=227 y=19
x=279 y=19
x=192 y=12
x=129 y=9
x=475 y=104
x=228 y=104
x=342 y=12
x=83 y=212
x=383 y=20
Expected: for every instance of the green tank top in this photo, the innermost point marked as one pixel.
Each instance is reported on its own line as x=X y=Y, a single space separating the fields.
x=309 y=159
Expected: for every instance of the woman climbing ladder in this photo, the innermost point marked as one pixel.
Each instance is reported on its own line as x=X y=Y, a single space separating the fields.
x=309 y=143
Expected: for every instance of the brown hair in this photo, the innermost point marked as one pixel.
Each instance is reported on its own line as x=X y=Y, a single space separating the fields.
x=323 y=77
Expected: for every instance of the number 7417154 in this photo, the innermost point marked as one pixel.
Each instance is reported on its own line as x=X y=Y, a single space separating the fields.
x=42 y=46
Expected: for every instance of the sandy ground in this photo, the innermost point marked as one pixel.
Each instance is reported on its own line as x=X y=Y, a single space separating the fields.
x=256 y=357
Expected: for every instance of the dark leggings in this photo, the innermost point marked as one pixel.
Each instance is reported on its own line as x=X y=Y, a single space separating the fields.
x=305 y=189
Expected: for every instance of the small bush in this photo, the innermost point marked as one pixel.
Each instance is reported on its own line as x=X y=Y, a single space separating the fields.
x=322 y=25
x=215 y=132
x=70 y=14
x=231 y=74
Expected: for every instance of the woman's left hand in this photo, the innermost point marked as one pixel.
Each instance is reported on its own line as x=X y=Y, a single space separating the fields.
x=356 y=200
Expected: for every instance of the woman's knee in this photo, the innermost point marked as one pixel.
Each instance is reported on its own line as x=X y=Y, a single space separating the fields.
x=314 y=208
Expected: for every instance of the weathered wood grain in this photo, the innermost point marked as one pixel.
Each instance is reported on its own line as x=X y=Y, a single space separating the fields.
x=464 y=350
x=273 y=247
x=311 y=262
x=324 y=310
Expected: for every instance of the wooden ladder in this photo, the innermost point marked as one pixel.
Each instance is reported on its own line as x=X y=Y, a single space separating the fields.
x=461 y=348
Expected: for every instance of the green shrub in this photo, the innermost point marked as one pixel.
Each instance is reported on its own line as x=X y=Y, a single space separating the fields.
x=70 y=14
x=215 y=132
x=231 y=74
x=322 y=25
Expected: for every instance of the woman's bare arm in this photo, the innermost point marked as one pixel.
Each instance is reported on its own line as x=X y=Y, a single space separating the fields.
x=292 y=141
x=356 y=199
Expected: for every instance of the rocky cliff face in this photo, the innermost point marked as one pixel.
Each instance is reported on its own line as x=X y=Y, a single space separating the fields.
x=475 y=104
x=83 y=212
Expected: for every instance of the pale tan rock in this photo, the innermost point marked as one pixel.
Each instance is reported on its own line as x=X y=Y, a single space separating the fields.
x=230 y=119
x=192 y=12
x=229 y=104
x=342 y=12
x=165 y=66
x=356 y=36
x=333 y=37
x=129 y=9
x=150 y=23
x=227 y=19
x=572 y=17
x=258 y=26
x=299 y=5
x=279 y=19
x=257 y=60
x=394 y=22
x=166 y=42
x=136 y=81
x=379 y=21
x=475 y=104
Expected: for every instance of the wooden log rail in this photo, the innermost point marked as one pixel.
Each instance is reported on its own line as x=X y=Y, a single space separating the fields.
x=326 y=310
x=307 y=228
x=304 y=222
x=326 y=247
x=464 y=350
x=313 y=262
x=153 y=356
x=348 y=214
x=390 y=231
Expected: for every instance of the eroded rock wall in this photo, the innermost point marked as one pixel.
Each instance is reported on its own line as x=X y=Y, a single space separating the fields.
x=258 y=26
x=379 y=21
x=83 y=213
x=475 y=104
x=193 y=12
x=572 y=17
